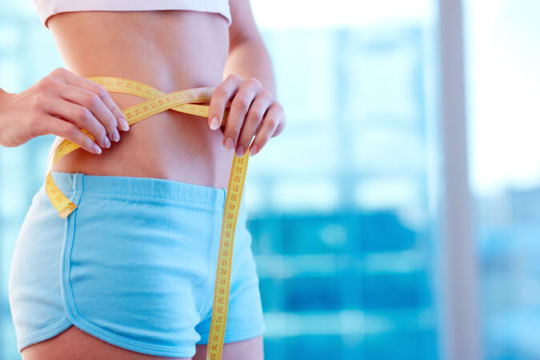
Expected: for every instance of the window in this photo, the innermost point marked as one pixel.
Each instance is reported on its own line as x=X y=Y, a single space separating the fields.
x=339 y=204
x=504 y=83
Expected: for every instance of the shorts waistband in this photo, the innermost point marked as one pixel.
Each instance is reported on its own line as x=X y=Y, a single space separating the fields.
x=118 y=186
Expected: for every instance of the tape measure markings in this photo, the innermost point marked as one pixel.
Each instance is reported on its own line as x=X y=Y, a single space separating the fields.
x=223 y=270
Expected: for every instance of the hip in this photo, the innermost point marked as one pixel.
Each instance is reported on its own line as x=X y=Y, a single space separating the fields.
x=134 y=265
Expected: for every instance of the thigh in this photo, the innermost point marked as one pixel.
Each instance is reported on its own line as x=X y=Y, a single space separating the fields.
x=250 y=349
x=76 y=344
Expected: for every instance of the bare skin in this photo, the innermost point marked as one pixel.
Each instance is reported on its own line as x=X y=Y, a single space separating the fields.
x=75 y=344
x=169 y=145
x=170 y=50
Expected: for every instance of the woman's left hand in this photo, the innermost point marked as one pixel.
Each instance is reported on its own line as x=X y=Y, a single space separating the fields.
x=253 y=112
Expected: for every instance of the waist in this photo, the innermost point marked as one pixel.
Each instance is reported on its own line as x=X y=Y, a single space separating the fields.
x=169 y=50
x=169 y=145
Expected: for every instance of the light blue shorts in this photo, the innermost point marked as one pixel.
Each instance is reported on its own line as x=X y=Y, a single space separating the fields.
x=134 y=265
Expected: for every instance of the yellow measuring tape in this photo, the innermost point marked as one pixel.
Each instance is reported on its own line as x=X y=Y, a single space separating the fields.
x=186 y=101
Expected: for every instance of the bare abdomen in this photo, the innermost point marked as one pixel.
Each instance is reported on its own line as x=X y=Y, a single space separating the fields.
x=170 y=50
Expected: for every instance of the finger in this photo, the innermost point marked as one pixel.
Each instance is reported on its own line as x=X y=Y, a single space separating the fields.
x=94 y=103
x=239 y=107
x=220 y=98
x=269 y=124
x=80 y=116
x=65 y=129
x=254 y=117
x=75 y=80
x=279 y=128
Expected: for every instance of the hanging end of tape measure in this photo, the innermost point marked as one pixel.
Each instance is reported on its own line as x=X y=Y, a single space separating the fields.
x=64 y=213
x=63 y=205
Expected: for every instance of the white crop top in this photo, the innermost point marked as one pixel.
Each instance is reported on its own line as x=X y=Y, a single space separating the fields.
x=47 y=8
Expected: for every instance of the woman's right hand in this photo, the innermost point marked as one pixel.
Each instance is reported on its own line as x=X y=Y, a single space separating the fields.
x=61 y=104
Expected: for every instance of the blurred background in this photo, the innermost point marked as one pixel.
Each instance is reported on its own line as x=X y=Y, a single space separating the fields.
x=398 y=216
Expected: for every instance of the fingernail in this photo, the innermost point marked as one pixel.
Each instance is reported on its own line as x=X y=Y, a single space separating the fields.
x=115 y=135
x=229 y=143
x=107 y=142
x=124 y=124
x=253 y=150
x=214 y=124
x=96 y=149
x=240 y=151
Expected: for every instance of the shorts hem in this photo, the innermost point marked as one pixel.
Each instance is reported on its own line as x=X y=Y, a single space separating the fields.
x=114 y=339
x=232 y=336
x=43 y=334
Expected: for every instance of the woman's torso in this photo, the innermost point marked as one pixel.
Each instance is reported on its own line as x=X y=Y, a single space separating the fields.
x=170 y=50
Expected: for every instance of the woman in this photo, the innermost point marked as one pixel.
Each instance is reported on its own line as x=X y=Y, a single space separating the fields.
x=134 y=278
